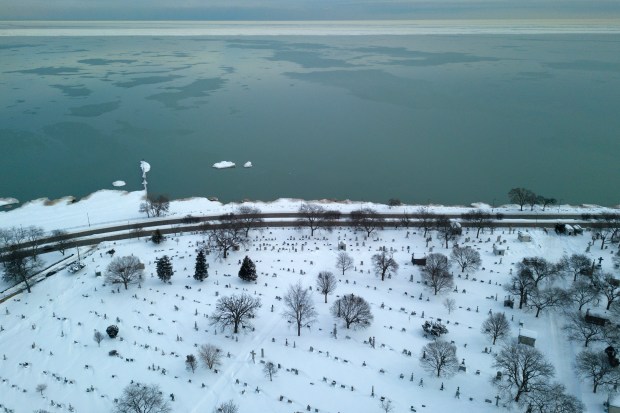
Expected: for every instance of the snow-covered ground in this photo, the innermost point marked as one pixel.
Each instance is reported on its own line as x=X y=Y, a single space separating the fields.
x=47 y=336
x=107 y=207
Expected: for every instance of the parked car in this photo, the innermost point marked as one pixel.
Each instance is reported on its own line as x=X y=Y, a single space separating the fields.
x=75 y=267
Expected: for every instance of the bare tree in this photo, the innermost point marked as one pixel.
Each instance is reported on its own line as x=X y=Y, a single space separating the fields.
x=439 y=357
x=478 y=219
x=496 y=326
x=124 y=270
x=62 y=242
x=582 y=292
x=578 y=329
x=538 y=269
x=326 y=283
x=311 y=215
x=406 y=219
x=140 y=398
x=34 y=235
x=576 y=264
x=366 y=220
x=386 y=405
x=426 y=219
x=191 y=363
x=384 y=264
x=547 y=298
x=228 y=236
x=299 y=307
x=521 y=285
x=315 y=216
x=609 y=227
x=226 y=407
x=610 y=287
x=41 y=388
x=353 y=310
x=156 y=206
x=532 y=200
x=160 y=206
x=520 y=196
x=545 y=202
x=235 y=311
x=525 y=369
x=435 y=273
x=249 y=217
x=210 y=355
x=552 y=398
x=450 y=304
x=20 y=266
x=344 y=261
x=6 y=242
x=13 y=237
x=466 y=257
x=596 y=365
x=446 y=229
x=98 y=337
x=270 y=370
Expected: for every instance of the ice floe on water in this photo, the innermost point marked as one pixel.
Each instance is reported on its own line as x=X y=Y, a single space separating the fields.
x=224 y=165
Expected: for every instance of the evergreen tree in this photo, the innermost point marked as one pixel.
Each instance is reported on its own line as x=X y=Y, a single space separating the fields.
x=248 y=270
x=164 y=268
x=201 y=267
x=157 y=237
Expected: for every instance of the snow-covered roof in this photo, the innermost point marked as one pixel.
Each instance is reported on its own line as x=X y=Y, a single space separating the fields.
x=528 y=333
x=614 y=400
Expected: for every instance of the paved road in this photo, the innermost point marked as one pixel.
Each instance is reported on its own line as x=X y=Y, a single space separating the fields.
x=277 y=220
x=281 y=220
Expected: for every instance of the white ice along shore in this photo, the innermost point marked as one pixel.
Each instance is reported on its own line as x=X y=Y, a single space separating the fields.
x=116 y=206
x=224 y=165
x=48 y=336
x=8 y=201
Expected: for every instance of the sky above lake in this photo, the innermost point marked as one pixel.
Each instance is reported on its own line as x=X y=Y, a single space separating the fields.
x=304 y=9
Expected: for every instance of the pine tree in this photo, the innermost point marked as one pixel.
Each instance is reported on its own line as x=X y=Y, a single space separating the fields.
x=248 y=270
x=201 y=267
x=157 y=237
x=164 y=268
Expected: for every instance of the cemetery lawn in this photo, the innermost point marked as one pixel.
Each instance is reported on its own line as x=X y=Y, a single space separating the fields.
x=47 y=336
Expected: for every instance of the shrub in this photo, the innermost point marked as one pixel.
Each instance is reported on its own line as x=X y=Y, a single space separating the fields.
x=112 y=331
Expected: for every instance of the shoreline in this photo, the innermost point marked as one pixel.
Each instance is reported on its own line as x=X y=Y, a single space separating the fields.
x=109 y=206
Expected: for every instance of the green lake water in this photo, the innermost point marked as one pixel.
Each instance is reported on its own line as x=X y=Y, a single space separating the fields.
x=430 y=118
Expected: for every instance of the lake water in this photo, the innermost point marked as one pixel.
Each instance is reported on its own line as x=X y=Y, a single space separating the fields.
x=446 y=117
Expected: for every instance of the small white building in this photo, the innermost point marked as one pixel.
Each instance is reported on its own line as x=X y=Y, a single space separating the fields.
x=569 y=229
x=524 y=237
x=498 y=250
x=578 y=229
x=527 y=337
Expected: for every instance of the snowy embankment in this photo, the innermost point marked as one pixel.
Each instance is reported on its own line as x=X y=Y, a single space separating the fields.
x=8 y=201
x=109 y=207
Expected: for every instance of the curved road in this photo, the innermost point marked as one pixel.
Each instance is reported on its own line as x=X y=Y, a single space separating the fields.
x=279 y=219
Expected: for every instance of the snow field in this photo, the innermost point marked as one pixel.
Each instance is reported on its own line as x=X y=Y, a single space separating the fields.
x=52 y=328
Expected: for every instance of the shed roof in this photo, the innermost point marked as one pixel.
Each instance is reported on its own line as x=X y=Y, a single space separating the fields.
x=528 y=333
